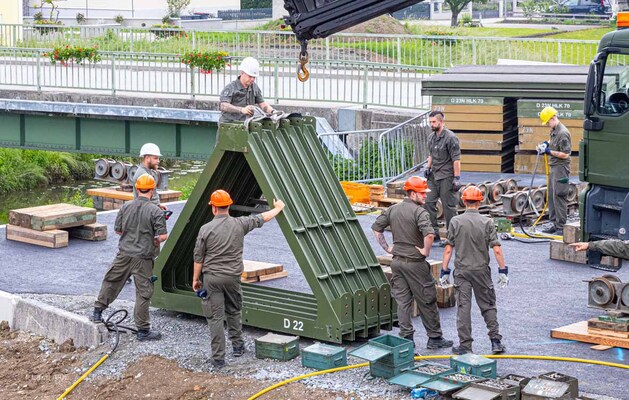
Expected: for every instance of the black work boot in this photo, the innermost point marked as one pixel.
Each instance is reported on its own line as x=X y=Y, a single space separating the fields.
x=497 y=346
x=148 y=335
x=550 y=229
x=460 y=350
x=438 y=343
x=239 y=350
x=97 y=315
x=218 y=364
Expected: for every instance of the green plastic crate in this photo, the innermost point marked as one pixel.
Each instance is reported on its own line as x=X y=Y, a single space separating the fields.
x=323 y=356
x=277 y=347
x=385 y=370
x=473 y=364
x=402 y=350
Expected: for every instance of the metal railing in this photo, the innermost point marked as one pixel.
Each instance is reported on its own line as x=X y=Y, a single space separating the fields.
x=378 y=155
x=411 y=50
x=334 y=81
x=257 y=13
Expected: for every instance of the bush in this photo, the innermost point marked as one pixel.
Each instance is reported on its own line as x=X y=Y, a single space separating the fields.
x=38 y=16
x=466 y=20
x=80 y=18
x=45 y=26
x=119 y=19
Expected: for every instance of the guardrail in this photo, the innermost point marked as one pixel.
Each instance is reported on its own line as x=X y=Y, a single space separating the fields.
x=378 y=155
x=409 y=50
x=332 y=81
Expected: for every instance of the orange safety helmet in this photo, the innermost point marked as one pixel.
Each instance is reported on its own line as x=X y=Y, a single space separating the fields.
x=220 y=198
x=145 y=182
x=416 y=184
x=472 y=193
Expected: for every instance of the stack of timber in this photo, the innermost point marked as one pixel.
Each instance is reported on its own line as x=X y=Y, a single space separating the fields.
x=51 y=225
x=486 y=128
x=113 y=198
x=256 y=271
x=560 y=250
x=445 y=295
x=531 y=132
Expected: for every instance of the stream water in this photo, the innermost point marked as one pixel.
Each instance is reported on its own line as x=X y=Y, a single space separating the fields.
x=184 y=176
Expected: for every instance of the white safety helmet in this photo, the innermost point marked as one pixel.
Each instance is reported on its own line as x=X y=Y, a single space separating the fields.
x=250 y=66
x=150 y=149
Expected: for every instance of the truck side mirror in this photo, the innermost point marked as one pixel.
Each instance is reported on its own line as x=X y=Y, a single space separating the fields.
x=591 y=88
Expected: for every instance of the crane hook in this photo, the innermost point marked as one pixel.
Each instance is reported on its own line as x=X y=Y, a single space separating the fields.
x=302 y=72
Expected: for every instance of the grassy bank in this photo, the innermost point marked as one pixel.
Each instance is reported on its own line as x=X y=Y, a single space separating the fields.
x=22 y=170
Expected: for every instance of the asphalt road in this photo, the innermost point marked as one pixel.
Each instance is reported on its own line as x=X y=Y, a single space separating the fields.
x=543 y=294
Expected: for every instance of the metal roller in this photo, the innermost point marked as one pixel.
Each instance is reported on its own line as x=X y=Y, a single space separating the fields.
x=102 y=167
x=511 y=185
x=118 y=170
x=612 y=278
x=483 y=189
x=537 y=197
x=572 y=193
x=497 y=190
x=601 y=292
x=518 y=202
x=131 y=172
x=439 y=209
x=624 y=295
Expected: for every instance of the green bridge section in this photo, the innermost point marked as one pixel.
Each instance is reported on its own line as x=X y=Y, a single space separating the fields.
x=107 y=129
x=350 y=295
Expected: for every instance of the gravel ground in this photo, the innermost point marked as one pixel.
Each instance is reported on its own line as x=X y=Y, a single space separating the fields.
x=543 y=295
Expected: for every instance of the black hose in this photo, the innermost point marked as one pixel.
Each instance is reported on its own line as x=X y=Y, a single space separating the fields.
x=528 y=200
x=113 y=325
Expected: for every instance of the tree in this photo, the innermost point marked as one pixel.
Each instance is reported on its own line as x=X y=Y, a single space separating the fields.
x=175 y=7
x=252 y=4
x=456 y=6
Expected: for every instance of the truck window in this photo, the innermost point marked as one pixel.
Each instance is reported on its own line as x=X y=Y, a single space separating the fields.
x=614 y=90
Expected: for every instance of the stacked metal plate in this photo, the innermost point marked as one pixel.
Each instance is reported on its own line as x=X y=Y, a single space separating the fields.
x=531 y=132
x=486 y=128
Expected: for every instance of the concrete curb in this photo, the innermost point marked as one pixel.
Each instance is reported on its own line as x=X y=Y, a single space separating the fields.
x=51 y=322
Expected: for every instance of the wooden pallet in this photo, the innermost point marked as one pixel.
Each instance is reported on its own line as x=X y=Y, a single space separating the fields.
x=579 y=332
x=257 y=271
x=52 y=217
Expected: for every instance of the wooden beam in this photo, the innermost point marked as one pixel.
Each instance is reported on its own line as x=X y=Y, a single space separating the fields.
x=53 y=239
x=579 y=332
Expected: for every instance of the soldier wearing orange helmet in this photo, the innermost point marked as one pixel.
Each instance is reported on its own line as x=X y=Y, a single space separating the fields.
x=558 y=151
x=473 y=234
x=411 y=280
x=217 y=268
x=141 y=226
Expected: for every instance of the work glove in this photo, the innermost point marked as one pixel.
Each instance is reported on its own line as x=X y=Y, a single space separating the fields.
x=445 y=277
x=503 y=277
x=427 y=172
x=541 y=148
x=456 y=184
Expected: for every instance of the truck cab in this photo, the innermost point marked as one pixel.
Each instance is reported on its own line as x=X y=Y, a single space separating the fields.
x=603 y=152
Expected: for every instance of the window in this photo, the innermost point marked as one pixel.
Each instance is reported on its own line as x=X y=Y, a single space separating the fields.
x=614 y=89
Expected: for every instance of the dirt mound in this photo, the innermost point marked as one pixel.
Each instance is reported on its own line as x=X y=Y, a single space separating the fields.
x=385 y=24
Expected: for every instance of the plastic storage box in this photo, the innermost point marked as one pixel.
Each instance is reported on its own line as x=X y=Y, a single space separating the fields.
x=277 y=347
x=323 y=356
x=473 y=364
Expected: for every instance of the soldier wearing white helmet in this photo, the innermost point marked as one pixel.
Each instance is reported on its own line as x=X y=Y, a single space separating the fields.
x=240 y=96
x=149 y=154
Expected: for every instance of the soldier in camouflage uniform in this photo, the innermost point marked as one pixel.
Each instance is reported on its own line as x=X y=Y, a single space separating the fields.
x=612 y=247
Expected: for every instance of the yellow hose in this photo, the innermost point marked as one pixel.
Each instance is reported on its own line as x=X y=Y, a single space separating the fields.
x=85 y=375
x=513 y=357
